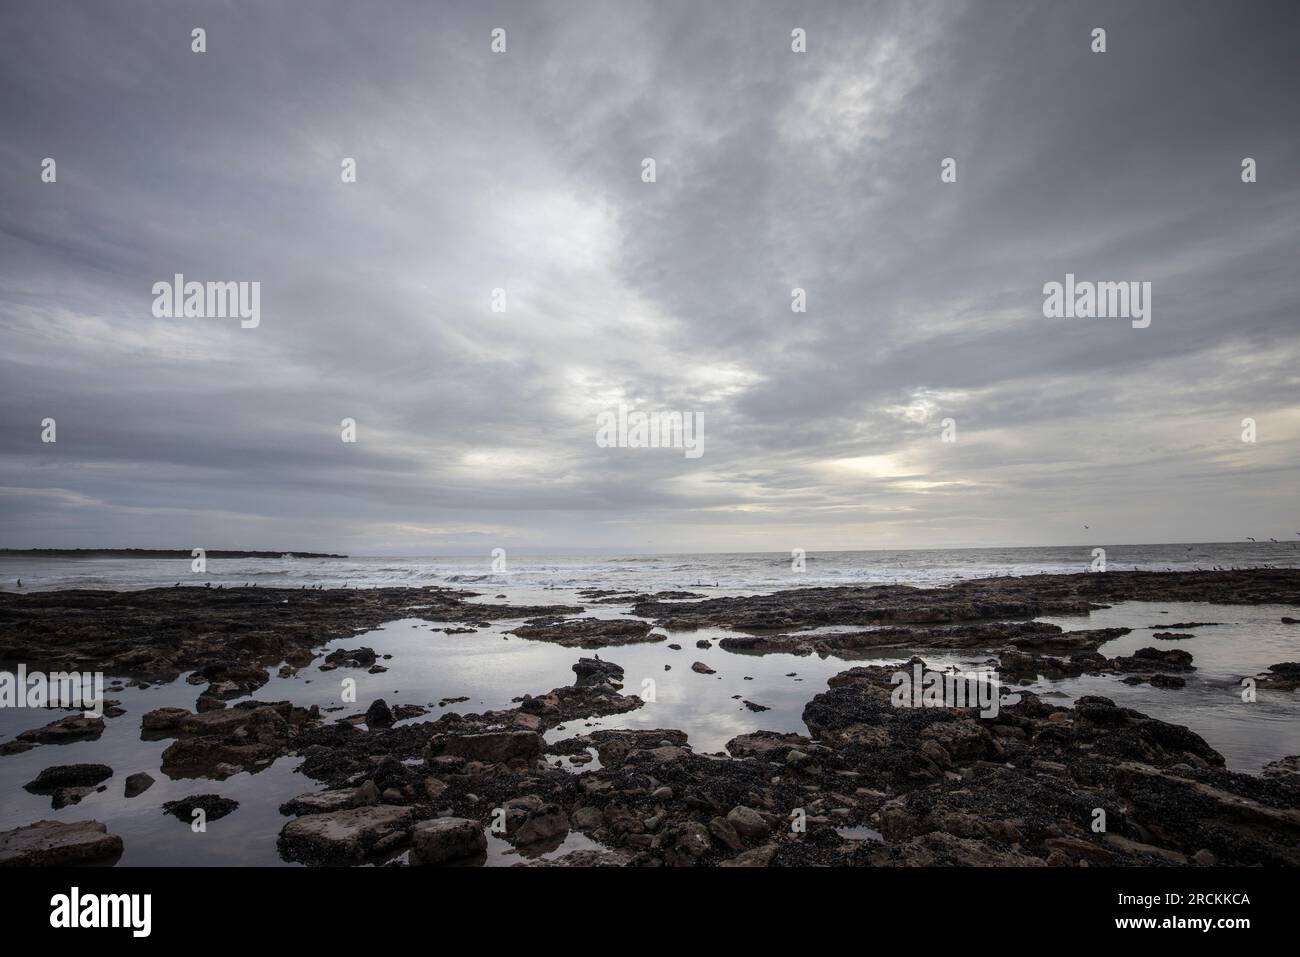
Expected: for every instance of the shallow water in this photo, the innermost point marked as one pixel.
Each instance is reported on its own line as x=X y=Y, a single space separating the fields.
x=1247 y=641
x=492 y=668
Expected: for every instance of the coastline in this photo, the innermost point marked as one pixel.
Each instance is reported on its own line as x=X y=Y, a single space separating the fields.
x=869 y=783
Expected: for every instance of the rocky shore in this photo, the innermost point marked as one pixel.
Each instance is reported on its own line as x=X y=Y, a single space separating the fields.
x=870 y=783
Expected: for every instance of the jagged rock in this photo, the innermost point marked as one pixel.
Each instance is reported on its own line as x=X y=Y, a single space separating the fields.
x=593 y=671
x=351 y=658
x=137 y=784
x=378 y=714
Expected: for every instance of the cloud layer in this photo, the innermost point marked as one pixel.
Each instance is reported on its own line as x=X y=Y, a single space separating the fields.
x=522 y=171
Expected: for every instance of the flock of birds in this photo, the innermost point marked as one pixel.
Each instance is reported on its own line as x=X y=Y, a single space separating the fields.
x=1223 y=568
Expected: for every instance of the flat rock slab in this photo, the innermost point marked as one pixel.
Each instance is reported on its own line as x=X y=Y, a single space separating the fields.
x=492 y=747
x=587 y=632
x=52 y=843
x=345 y=836
x=74 y=727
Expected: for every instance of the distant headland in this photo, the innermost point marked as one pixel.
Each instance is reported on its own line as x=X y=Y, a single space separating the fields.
x=149 y=553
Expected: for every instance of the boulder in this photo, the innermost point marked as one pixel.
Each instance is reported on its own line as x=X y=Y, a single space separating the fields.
x=446 y=839
x=137 y=784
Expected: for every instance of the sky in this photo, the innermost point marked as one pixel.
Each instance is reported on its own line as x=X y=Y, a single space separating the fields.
x=523 y=171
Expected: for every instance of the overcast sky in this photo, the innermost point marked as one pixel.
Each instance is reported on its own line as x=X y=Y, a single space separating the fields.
x=522 y=171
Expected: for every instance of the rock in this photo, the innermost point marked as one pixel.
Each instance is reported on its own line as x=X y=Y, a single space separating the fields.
x=378 y=714
x=1154 y=659
x=758 y=857
x=747 y=821
x=765 y=743
x=700 y=667
x=493 y=747
x=1146 y=850
x=65 y=797
x=351 y=658
x=213 y=806
x=446 y=839
x=586 y=857
x=1284 y=676
x=75 y=727
x=1286 y=768
x=1167 y=681
x=68 y=775
x=137 y=784
x=587 y=632
x=796 y=758
x=542 y=824
x=687 y=844
x=163 y=719
x=593 y=671
x=722 y=829
x=1076 y=848
x=348 y=836
x=339 y=799
x=56 y=843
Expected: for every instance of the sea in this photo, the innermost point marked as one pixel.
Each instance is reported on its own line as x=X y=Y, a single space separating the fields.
x=490 y=668
x=732 y=573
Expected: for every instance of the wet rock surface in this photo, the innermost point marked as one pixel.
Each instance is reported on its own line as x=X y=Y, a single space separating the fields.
x=587 y=632
x=1284 y=676
x=229 y=636
x=58 y=843
x=217 y=744
x=346 y=837
x=213 y=806
x=985 y=599
x=74 y=727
